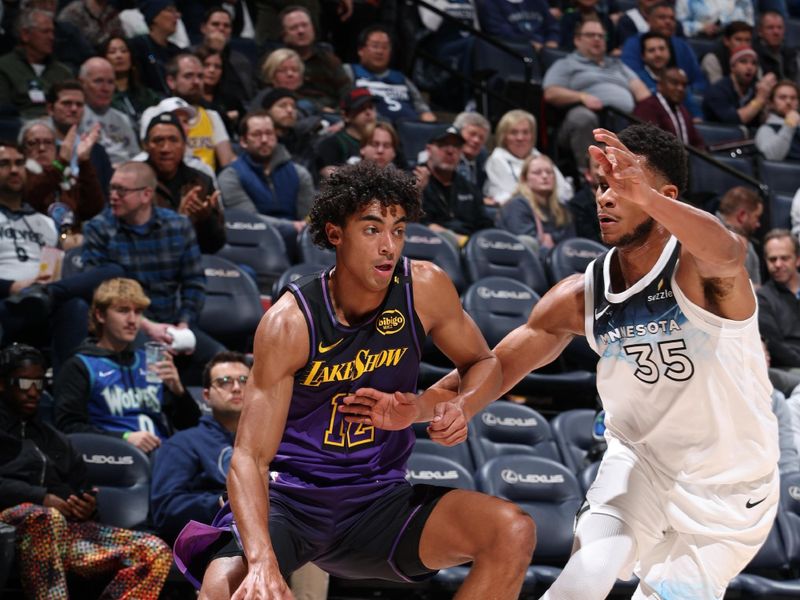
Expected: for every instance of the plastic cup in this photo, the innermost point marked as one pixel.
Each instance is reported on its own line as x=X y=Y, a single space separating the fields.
x=154 y=352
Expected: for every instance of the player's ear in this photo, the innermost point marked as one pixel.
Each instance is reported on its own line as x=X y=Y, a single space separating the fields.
x=669 y=190
x=333 y=233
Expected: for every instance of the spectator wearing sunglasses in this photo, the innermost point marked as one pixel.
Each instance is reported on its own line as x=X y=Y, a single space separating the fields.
x=104 y=387
x=190 y=469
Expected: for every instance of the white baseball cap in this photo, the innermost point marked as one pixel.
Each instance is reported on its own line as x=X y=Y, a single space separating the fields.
x=166 y=105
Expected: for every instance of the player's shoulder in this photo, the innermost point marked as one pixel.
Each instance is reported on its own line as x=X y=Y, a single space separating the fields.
x=562 y=306
x=283 y=327
x=427 y=273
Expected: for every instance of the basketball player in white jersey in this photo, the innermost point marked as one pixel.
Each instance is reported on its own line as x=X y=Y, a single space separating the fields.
x=688 y=488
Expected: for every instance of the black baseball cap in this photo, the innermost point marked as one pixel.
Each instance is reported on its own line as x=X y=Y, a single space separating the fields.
x=355 y=99
x=165 y=118
x=445 y=132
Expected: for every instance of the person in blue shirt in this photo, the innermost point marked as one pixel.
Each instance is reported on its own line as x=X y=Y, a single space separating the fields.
x=190 y=468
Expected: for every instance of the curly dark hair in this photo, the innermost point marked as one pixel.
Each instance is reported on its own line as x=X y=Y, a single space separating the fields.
x=664 y=153
x=351 y=187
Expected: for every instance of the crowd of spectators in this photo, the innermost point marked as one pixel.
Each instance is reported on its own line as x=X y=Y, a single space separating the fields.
x=140 y=123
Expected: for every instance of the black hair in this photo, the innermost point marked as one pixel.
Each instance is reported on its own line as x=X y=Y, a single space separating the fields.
x=16 y=355
x=364 y=34
x=226 y=356
x=214 y=9
x=663 y=152
x=11 y=144
x=650 y=35
x=68 y=84
x=352 y=187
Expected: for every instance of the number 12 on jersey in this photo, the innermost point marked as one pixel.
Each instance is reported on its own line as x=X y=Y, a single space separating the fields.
x=667 y=358
x=342 y=434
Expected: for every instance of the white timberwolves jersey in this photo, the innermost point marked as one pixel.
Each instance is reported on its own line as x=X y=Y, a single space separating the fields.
x=686 y=389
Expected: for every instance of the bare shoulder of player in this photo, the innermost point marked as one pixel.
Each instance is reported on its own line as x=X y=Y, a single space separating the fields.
x=282 y=336
x=562 y=308
x=434 y=292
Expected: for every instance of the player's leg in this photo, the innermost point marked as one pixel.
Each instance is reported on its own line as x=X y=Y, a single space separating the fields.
x=223 y=577
x=496 y=535
x=604 y=550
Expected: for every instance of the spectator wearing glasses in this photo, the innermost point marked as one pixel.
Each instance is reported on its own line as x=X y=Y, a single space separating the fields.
x=104 y=388
x=190 y=469
x=45 y=494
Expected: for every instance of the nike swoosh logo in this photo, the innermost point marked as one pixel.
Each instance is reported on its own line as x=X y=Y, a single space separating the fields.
x=323 y=349
x=597 y=315
x=105 y=373
x=752 y=504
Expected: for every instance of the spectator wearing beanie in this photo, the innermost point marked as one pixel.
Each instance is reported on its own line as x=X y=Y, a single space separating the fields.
x=152 y=51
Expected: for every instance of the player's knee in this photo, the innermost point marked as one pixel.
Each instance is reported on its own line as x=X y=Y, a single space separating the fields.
x=222 y=578
x=516 y=534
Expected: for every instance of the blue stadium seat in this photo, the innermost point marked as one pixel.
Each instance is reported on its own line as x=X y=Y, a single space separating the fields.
x=780 y=210
x=572 y=256
x=572 y=431
x=121 y=473
x=495 y=252
x=433 y=469
x=460 y=453
x=782 y=177
x=547 y=56
x=311 y=253
x=700 y=46
x=707 y=178
x=252 y=242
x=489 y=61
x=422 y=243
x=293 y=273
x=507 y=428
x=414 y=136
x=232 y=308
x=720 y=133
x=587 y=475
x=548 y=492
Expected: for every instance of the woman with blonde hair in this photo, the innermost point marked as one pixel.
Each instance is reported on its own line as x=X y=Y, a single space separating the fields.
x=284 y=68
x=515 y=141
x=535 y=210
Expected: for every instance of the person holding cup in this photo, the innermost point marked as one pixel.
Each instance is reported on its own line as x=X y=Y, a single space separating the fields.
x=109 y=387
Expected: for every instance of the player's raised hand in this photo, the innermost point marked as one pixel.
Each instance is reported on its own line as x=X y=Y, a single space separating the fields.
x=622 y=170
x=449 y=425
x=384 y=410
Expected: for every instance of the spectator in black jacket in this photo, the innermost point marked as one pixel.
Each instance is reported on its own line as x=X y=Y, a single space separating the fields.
x=778 y=304
x=452 y=205
x=44 y=493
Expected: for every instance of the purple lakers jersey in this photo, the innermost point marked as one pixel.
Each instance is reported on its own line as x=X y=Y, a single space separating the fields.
x=319 y=448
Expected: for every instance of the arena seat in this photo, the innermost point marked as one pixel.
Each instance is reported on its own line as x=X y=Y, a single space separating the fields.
x=782 y=177
x=781 y=210
x=293 y=273
x=251 y=241
x=496 y=252
x=422 y=243
x=548 y=492
x=433 y=469
x=121 y=473
x=572 y=256
x=414 y=136
x=311 y=253
x=232 y=308
x=508 y=428
x=587 y=475
x=460 y=454
x=714 y=134
x=707 y=178
x=572 y=431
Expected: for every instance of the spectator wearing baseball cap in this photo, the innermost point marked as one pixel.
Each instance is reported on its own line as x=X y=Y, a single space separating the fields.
x=452 y=205
x=185 y=190
x=358 y=111
x=740 y=97
x=151 y=52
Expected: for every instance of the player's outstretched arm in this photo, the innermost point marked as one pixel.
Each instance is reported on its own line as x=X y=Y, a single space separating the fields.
x=281 y=348
x=712 y=270
x=553 y=322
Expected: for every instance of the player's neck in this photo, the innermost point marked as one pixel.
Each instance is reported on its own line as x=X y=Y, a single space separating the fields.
x=636 y=260
x=352 y=302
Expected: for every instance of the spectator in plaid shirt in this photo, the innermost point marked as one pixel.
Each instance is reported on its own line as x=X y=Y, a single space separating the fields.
x=158 y=248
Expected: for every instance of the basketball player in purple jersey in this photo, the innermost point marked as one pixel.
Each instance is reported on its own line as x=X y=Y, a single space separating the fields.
x=306 y=485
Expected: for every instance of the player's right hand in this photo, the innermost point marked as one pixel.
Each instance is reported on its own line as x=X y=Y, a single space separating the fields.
x=390 y=411
x=450 y=425
x=257 y=585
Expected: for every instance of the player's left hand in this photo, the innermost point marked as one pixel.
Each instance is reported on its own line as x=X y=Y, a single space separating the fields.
x=450 y=425
x=390 y=411
x=622 y=169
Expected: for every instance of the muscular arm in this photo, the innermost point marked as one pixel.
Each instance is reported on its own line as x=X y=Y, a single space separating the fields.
x=267 y=398
x=457 y=336
x=562 y=96
x=552 y=324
